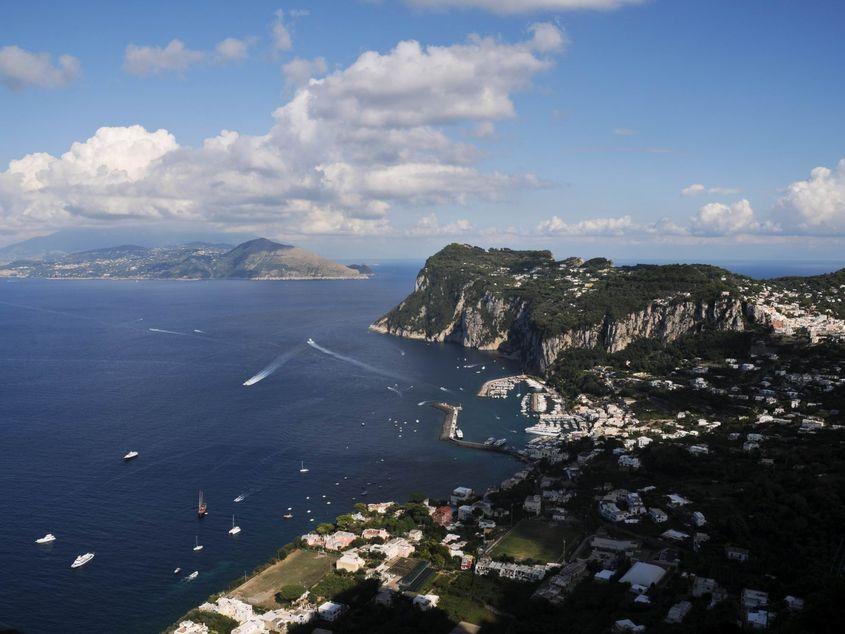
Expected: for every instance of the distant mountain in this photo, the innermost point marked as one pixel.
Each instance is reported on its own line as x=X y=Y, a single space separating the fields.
x=363 y=269
x=258 y=259
x=75 y=240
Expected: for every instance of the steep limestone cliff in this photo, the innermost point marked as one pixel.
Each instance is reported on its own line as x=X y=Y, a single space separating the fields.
x=537 y=313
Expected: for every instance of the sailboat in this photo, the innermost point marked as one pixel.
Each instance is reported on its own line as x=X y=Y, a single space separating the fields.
x=302 y=467
x=202 y=507
x=235 y=529
x=198 y=547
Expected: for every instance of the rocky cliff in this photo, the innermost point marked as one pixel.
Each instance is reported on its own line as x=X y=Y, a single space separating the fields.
x=527 y=305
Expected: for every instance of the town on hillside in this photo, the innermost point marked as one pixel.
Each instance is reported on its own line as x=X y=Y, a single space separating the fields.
x=697 y=487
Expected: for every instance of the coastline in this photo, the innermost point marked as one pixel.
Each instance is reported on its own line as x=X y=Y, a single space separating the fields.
x=191 y=279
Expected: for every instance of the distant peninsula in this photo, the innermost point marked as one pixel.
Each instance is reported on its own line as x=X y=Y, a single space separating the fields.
x=259 y=259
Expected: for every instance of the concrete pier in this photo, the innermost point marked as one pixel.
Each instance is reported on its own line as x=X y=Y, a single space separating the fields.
x=450 y=424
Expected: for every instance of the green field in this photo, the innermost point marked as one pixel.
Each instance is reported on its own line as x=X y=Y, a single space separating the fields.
x=535 y=539
x=301 y=567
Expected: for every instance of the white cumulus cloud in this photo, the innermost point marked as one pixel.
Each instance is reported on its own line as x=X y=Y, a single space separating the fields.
x=20 y=69
x=298 y=71
x=718 y=219
x=233 y=49
x=697 y=188
x=429 y=226
x=152 y=60
x=343 y=153
x=280 y=33
x=509 y=7
x=818 y=203
x=590 y=227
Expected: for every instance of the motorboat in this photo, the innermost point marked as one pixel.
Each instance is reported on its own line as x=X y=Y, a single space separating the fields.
x=49 y=538
x=82 y=560
x=240 y=498
x=130 y=456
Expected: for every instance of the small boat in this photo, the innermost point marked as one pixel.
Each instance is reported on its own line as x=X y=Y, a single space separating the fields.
x=240 y=498
x=459 y=434
x=235 y=529
x=202 y=507
x=130 y=456
x=193 y=575
x=49 y=538
x=302 y=467
x=177 y=571
x=82 y=560
x=287 y=516
x=197 y=547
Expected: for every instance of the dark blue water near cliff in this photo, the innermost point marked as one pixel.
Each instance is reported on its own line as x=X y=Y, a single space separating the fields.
x=83 y=380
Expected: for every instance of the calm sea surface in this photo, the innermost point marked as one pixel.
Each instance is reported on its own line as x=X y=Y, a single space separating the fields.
x=92 y=369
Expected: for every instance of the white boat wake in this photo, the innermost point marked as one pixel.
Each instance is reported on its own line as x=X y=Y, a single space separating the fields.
x=341 y=357
x=167 y=332
x=274 y=365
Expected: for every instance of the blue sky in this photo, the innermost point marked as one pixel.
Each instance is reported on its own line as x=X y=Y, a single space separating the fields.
x=588 y=141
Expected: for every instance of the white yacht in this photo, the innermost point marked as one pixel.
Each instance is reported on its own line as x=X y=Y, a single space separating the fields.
x=240 y=498
x=544 y=429
x=131 y=455
x=82 y=560
x=302 y=467
x=235 y=529
x=197 y=546
x=193 y=575
x=49 y=538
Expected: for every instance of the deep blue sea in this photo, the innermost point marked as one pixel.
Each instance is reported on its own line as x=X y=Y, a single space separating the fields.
x=92 y=369
x=83 y=380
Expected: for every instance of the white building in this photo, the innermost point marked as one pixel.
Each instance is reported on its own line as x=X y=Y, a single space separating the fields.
x=330 y=611
x=533 y=504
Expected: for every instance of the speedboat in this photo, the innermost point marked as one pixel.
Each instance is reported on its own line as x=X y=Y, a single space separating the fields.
x=240 y=498
x=177 y=571
x=47 y=539
x=235 y=529
x=131 y=455
x=197 y=547
x=82 y=560
x=193 y=575
x=288 y=516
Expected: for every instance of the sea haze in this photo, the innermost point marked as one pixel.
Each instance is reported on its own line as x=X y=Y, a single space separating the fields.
x=92 y=369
